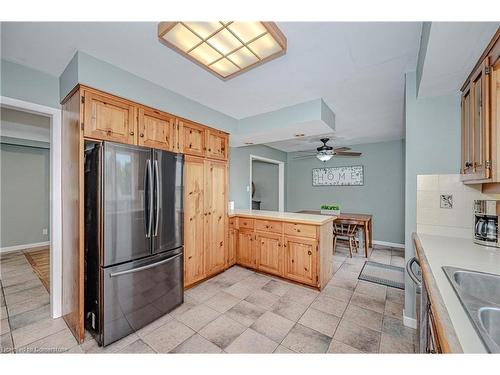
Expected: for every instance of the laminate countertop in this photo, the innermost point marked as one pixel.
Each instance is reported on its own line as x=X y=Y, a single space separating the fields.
x=437 y=251
x=282 y=216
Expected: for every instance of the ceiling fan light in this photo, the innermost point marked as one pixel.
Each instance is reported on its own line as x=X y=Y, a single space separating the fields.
x=324 y=157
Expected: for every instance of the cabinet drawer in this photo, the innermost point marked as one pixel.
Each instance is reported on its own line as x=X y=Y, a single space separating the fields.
x=301 y=230
x=268 y=226
x=233 y=222
x=245 y=222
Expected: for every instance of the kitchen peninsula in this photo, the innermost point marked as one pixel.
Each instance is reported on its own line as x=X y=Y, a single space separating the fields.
x=294 y=246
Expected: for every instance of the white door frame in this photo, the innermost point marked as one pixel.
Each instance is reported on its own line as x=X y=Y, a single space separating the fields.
x=281 y=180
x=55 y=115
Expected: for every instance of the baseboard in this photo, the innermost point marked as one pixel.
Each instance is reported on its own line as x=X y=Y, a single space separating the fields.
x=9 y=249
x=390 y=244
x=409 y=322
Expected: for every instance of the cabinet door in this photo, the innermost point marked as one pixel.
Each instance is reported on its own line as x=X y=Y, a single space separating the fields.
x=215 y=219
x=156 y=129
x=216 y=144
x=300 y=260
x=108 y=118
x=232 y=245
x=245 y=251
x=269 y=253
x=193 y=139
x=467 y=132
x=178 y=144
x=194 y=220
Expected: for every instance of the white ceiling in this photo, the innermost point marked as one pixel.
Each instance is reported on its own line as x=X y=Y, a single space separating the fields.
x=357 y=68
x=452 y=52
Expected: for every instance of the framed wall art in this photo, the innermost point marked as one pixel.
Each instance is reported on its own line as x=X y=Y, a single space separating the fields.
x=338 y=176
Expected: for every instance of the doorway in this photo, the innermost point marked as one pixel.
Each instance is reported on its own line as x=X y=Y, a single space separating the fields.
x=266 y=184
x=30 y=243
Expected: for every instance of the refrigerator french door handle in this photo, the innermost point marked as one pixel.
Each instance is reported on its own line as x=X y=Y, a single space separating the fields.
x=138 y=269
x=150 y=195
x=157 y=181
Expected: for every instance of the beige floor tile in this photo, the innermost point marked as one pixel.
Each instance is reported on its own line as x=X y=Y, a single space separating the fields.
x=277 y=287
x=198 y=317
x=368 y=302
x=257 y=280
x=352 y=268
x=3 y=312
x=337 y=293
x=240 y=290
x=31 y=304
x=18 y=280
x=390 y=344
x=222 y=302
x=394 y=310
x=273 y=326
x=58 y=342
x=30 y=317
x=349 y=284
x=16 y=288
x=283 y=350
x=341 y=348
x=26 y=295
x=251 y=342
x=245 y=313
x=4 y=326
x=300 y=295
x=189 y=303
x=6 y=344
x=396 y=295
x=168 y=336
x=36 y=331
x=329 y=305
x=75 y=350
x=222 y=331
x=361 y=338
x=289 y=310
x=376 y=291
x=395 y=328
x=203 y=291
x=320 y=321
x=154 y=325
x=196 y=344
x=363 y=317
x=306 y=340
x=263 y=299
x=91 y=346
x=397 y=261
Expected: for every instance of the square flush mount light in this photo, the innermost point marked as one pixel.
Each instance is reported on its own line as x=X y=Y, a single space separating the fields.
x=225 y=49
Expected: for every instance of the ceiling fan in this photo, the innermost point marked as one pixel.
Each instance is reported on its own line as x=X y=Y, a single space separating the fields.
x=325 y=152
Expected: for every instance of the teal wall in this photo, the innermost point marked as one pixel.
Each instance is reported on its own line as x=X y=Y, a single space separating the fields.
x=23 y=83
x=265 y=177
x=382 y=194
x=88 y=70
x=432 y=147
x=239 y=171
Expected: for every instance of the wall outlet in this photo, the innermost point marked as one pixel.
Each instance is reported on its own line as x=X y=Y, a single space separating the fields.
x=45 y=231
x=248 y=189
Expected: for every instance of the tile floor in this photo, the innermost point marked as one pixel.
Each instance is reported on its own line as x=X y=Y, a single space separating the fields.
x=238 y=311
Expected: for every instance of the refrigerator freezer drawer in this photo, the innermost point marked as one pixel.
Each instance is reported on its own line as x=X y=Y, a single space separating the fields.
x=139 y=292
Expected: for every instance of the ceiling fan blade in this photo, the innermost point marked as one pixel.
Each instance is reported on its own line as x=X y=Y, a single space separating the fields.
x=340 y=149
x=309 y=152
x=304 y=157
x=348 y=153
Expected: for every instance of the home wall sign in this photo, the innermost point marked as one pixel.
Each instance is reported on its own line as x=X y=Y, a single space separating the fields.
x=338 y=176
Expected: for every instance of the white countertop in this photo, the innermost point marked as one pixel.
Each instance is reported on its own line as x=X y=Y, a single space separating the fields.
x=458 y=252
x=282 y=216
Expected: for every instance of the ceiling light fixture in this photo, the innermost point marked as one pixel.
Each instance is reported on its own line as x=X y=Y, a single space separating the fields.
x=324 y=156
x=225 y=49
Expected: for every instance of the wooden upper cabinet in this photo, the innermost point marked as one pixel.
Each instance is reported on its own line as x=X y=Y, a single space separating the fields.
x=215 y=216
x=216 y=144
x=193 y=138
x=108 y=118
x=156 y=129
x=300 y=260
x=269 y=248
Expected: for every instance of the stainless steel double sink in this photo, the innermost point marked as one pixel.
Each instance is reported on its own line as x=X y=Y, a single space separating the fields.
x=479 y=293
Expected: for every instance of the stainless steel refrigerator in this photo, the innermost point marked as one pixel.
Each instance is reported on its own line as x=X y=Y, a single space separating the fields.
x=133 y=237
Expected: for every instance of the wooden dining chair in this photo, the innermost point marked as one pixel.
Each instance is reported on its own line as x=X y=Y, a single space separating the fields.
x=346 y=229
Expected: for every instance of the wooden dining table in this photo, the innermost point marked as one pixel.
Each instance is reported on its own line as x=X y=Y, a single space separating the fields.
x=364 y=220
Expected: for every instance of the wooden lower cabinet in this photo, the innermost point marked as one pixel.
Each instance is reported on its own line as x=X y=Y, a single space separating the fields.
x=245 y=251
x=300 y=260
x=269 y=253
x=232 y=245
x=205 y=236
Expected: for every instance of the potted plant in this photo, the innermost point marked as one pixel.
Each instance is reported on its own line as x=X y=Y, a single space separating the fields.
x=330 y=210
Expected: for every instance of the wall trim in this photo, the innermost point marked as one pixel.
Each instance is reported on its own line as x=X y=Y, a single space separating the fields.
x=55 y=115
x=391 y=244
x=409 y=322
x=281 y=180
x=10 y=249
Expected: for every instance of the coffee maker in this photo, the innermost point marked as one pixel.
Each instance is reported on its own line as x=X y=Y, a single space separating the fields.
x=486 y=214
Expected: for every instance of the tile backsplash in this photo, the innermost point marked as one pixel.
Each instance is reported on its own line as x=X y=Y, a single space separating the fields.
x=456 y=221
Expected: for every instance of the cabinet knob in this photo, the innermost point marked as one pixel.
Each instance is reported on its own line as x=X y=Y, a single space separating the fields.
x=141 y=135
x=109 y=132
x=132 y=133
x=309 y=252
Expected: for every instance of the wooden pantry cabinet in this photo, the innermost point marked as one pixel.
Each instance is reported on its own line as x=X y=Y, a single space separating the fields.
x=205 y=218
x=480 y=125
